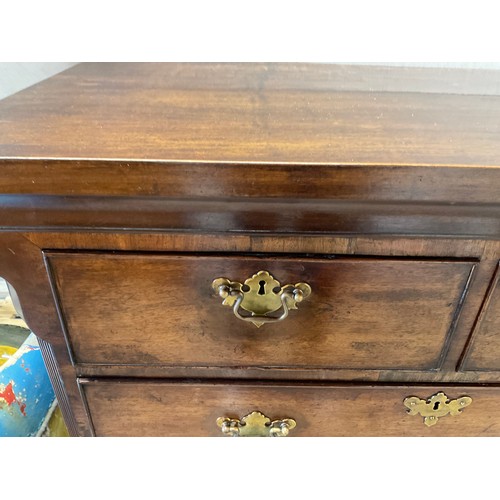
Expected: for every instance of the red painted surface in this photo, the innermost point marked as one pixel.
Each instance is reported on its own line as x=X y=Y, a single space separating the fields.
x=22 y=407
x=8 y=394
x=9 y=397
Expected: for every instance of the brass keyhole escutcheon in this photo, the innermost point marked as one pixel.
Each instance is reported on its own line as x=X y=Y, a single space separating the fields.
x=260 y=296
x=435 y=407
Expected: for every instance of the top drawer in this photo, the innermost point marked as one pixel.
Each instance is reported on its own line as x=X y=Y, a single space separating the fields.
x=362 y=313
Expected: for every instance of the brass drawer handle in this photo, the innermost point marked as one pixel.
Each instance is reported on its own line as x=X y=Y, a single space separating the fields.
x=260 y=295
x=436 y=406
x=256 y=424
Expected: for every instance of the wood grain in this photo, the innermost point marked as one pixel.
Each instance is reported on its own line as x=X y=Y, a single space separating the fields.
x=54 y=372
x=379 y=187
x=22 y=265
x=483 y=352
x=154 y=309
x=373 y=245
x=163 y=408
x=258 y=215
x=464 y=185
x=251 y=113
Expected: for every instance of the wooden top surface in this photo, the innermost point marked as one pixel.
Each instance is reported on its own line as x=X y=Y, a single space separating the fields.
x=283 y=113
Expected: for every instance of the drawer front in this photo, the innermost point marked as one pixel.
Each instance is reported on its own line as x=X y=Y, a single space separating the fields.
x=484 y=352
x=362 y=313
x=133 y=408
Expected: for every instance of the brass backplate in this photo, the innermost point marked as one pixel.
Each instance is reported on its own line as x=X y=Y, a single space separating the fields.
x=263 y=295
x=255 y=424
x=260 y=295
x=435 y=407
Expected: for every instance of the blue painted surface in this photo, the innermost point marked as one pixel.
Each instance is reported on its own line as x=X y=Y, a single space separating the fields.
x=26 y=374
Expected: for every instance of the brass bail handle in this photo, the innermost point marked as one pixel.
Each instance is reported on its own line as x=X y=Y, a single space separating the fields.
x=255 y=424
x=260 y=295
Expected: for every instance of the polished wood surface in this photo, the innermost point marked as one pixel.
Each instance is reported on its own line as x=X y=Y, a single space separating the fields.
x=161 y=309
x=485 y=252
x=484 y=348
x=164 y=408
x=179 y=180
x=256 y=216
x=61 y=393
x=22 y=265
x=379 y=186
x=288 y=113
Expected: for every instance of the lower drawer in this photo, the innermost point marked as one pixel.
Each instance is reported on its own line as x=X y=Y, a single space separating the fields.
x=162 y=408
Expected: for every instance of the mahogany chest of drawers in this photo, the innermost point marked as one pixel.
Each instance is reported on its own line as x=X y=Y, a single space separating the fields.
x=259 y=249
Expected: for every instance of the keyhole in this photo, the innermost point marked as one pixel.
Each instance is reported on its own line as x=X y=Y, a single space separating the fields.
x=262 y=285
x=436 y=405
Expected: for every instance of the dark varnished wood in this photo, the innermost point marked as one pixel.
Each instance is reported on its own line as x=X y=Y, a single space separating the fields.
x=154 y=309
x=266 y=112
x=483 y=352
x=247 y=242
x=396 y=173
x=312 y=244
x=159 y=408
x=485 y=252
x=290 y=76
x=239 y=181
x=21 y=264
x=54 y=372
x=24 y=212
x=288 y=373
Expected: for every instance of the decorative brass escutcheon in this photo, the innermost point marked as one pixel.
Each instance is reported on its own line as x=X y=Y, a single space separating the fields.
x=256 y=424
x=436 y=406
x=260 y=295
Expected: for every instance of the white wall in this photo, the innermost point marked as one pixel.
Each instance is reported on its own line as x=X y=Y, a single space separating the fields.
x=17 y=76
